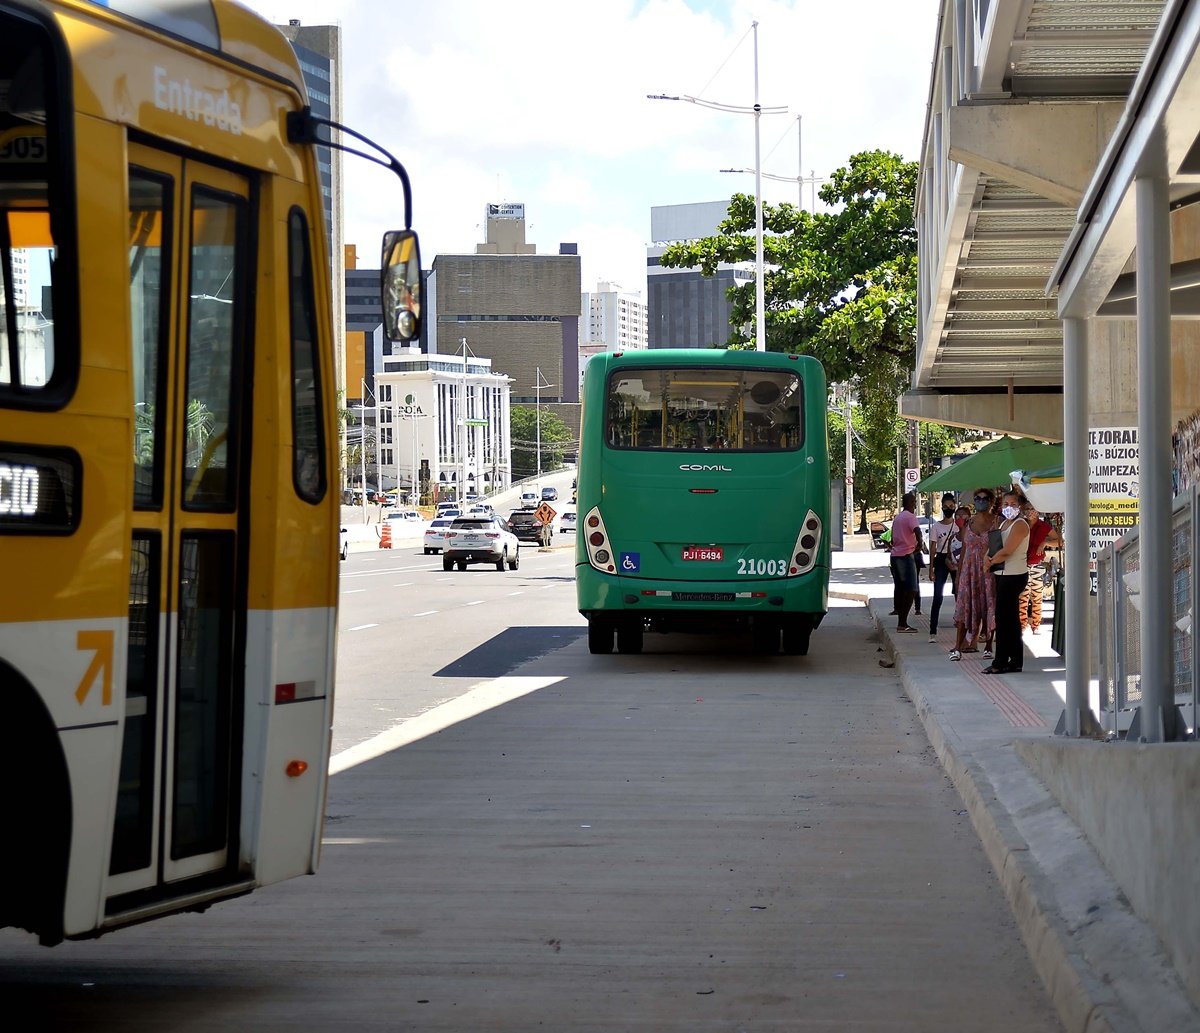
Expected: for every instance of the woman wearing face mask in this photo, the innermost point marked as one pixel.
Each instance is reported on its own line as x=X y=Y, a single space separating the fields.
x=975 y=604
x=1011 y=567
x=941 y=535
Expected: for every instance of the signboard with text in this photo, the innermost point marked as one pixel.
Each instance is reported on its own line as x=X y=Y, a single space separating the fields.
x=1113 y=470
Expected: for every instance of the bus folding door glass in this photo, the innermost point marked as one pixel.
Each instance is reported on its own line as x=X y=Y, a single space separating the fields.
x=214 y=351
x=32 y=130
x=308 y=456
x=149 y=277
x=203 y=695
x=133 y=825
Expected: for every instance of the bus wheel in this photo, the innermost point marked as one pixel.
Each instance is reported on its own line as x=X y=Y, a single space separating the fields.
x=600 y=635
x=765 y=638
x=796 y=636
x=629 y=636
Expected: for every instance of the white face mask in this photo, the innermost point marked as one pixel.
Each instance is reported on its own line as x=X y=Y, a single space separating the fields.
x=1010 y=512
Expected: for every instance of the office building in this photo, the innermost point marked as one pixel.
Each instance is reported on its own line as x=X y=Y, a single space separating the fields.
x=686 y=309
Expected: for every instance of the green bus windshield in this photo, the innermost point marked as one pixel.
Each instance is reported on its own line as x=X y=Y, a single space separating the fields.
x=701 y=409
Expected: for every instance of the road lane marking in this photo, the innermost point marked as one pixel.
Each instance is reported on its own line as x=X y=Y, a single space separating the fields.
x=480 y=698
x=351 y=591
x=363 y=627
x=386 y=570
x=425 y=613
x=403 y=584
x=445 y=579
x=474 y=602
x=516 y=593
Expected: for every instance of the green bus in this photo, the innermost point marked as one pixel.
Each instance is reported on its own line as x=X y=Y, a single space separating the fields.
x=703 y=497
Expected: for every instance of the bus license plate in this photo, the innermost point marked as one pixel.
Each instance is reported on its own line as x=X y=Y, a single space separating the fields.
x=710 y=553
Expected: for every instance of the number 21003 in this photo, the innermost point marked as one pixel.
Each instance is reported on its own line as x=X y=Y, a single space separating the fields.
x=762 y=567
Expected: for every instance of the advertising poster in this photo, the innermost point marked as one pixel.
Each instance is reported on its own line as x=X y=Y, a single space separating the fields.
x=1112 y=489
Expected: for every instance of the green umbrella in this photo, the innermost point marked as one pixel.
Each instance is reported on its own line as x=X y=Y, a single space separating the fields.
x=993 y=465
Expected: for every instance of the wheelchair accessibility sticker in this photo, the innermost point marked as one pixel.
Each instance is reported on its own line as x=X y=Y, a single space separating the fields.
x=631 y=562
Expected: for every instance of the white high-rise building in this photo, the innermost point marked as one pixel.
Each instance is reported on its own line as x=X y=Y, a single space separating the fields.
x=612 y=320
x=20 y=273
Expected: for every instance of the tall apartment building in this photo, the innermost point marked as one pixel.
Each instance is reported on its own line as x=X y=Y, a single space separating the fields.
x=612 y=320
x=686 y=309
x=511 y=305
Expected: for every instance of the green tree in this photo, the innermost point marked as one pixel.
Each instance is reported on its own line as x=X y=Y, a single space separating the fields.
x=556 y=439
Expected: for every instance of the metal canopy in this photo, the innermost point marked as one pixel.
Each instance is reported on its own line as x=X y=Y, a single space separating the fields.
x=988 y=246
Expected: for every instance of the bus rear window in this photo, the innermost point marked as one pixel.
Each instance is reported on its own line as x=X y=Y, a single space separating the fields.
x=743 y=410
x=34 y=365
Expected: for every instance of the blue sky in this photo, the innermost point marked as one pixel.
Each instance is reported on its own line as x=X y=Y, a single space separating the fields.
x=544 y=103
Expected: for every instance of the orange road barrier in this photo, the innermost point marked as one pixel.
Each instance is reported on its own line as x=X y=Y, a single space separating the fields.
x=385 y=535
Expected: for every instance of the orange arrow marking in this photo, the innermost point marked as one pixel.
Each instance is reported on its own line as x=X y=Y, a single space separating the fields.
x=102 y=643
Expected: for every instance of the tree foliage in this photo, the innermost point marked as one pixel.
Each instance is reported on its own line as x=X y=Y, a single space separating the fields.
x=556 y=439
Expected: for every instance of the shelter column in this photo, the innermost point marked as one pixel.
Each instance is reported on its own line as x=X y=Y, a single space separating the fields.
x=1077 y=717
x=1156 y=716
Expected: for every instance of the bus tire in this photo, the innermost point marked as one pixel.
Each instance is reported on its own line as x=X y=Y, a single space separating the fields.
x=629 y=636
x=600 y=636
x=33 y=880
x=796 y=636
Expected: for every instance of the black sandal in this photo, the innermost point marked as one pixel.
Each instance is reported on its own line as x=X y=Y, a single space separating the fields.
x=993 y=669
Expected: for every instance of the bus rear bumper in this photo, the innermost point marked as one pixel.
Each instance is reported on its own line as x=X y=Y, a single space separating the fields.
x=697 y=602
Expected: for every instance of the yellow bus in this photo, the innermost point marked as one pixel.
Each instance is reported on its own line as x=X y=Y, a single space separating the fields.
x=168 y=460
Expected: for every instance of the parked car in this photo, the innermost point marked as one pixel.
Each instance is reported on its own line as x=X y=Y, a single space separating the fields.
x=528 y=527
x=477 y=539
x=343 y=544
x=435 y=534
x=566 y=523
x=549 y=494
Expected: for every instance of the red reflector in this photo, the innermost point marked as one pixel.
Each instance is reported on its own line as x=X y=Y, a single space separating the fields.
x=795 y=570
x=296 y=768
x=611 y=568
x=490 y=535
x=703 y=491
x=758 y=595
x=285 y=693
x=794 y=358
x=647 y=591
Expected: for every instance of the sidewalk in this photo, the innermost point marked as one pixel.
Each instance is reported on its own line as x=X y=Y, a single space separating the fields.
x=1104 y=968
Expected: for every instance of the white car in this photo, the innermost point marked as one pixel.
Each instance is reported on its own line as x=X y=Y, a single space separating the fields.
x=405 y=514
x=530 y=498
x=566 y=523
x=478 y=539
x=435 y=534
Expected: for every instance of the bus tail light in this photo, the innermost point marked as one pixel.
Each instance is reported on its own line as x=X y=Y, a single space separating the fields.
x=598 y=546
x=807 y=547
x=296 y=768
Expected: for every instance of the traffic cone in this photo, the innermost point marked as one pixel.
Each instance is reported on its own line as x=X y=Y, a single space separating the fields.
x=385 y=535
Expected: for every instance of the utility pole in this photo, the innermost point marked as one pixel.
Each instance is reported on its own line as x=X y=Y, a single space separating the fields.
x=462 y=431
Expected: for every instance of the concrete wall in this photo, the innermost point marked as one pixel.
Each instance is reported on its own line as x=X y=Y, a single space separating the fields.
x=1135 y=804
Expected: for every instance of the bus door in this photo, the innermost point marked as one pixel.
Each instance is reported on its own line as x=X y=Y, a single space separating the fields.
x=190 y=269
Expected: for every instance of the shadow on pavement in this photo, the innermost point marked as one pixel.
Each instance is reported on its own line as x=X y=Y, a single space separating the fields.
x=511 y=648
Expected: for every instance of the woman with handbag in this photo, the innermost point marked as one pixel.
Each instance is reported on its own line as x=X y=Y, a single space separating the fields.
x=941 y=537
x=1011 y=568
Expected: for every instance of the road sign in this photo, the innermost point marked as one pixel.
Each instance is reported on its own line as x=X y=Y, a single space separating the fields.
x=911 y=477
x=545 y=513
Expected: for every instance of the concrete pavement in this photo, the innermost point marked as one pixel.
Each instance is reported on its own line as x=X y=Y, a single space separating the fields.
x=1104 y=967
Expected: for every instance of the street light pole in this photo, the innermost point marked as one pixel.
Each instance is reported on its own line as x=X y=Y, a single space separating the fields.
x=462 y=433
x=760 y=289
x=758 y=111
x=538 y=385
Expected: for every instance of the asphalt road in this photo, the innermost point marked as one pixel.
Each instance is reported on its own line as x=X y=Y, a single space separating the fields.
x=697 y=838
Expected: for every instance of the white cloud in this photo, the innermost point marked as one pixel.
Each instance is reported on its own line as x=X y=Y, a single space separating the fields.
x=547 y=105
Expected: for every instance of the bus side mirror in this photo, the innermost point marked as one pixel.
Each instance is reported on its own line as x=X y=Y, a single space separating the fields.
x=401 y=285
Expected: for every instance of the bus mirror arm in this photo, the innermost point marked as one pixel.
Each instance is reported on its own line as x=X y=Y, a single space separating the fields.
x=303 y=126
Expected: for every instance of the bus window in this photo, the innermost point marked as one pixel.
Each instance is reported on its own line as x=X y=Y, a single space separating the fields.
x=31 y=361
x=308 y=454
x=214 y=349
x=149 y=273
x=716 y=409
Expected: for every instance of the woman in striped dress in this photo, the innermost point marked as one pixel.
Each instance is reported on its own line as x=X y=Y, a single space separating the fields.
x=975 y=604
